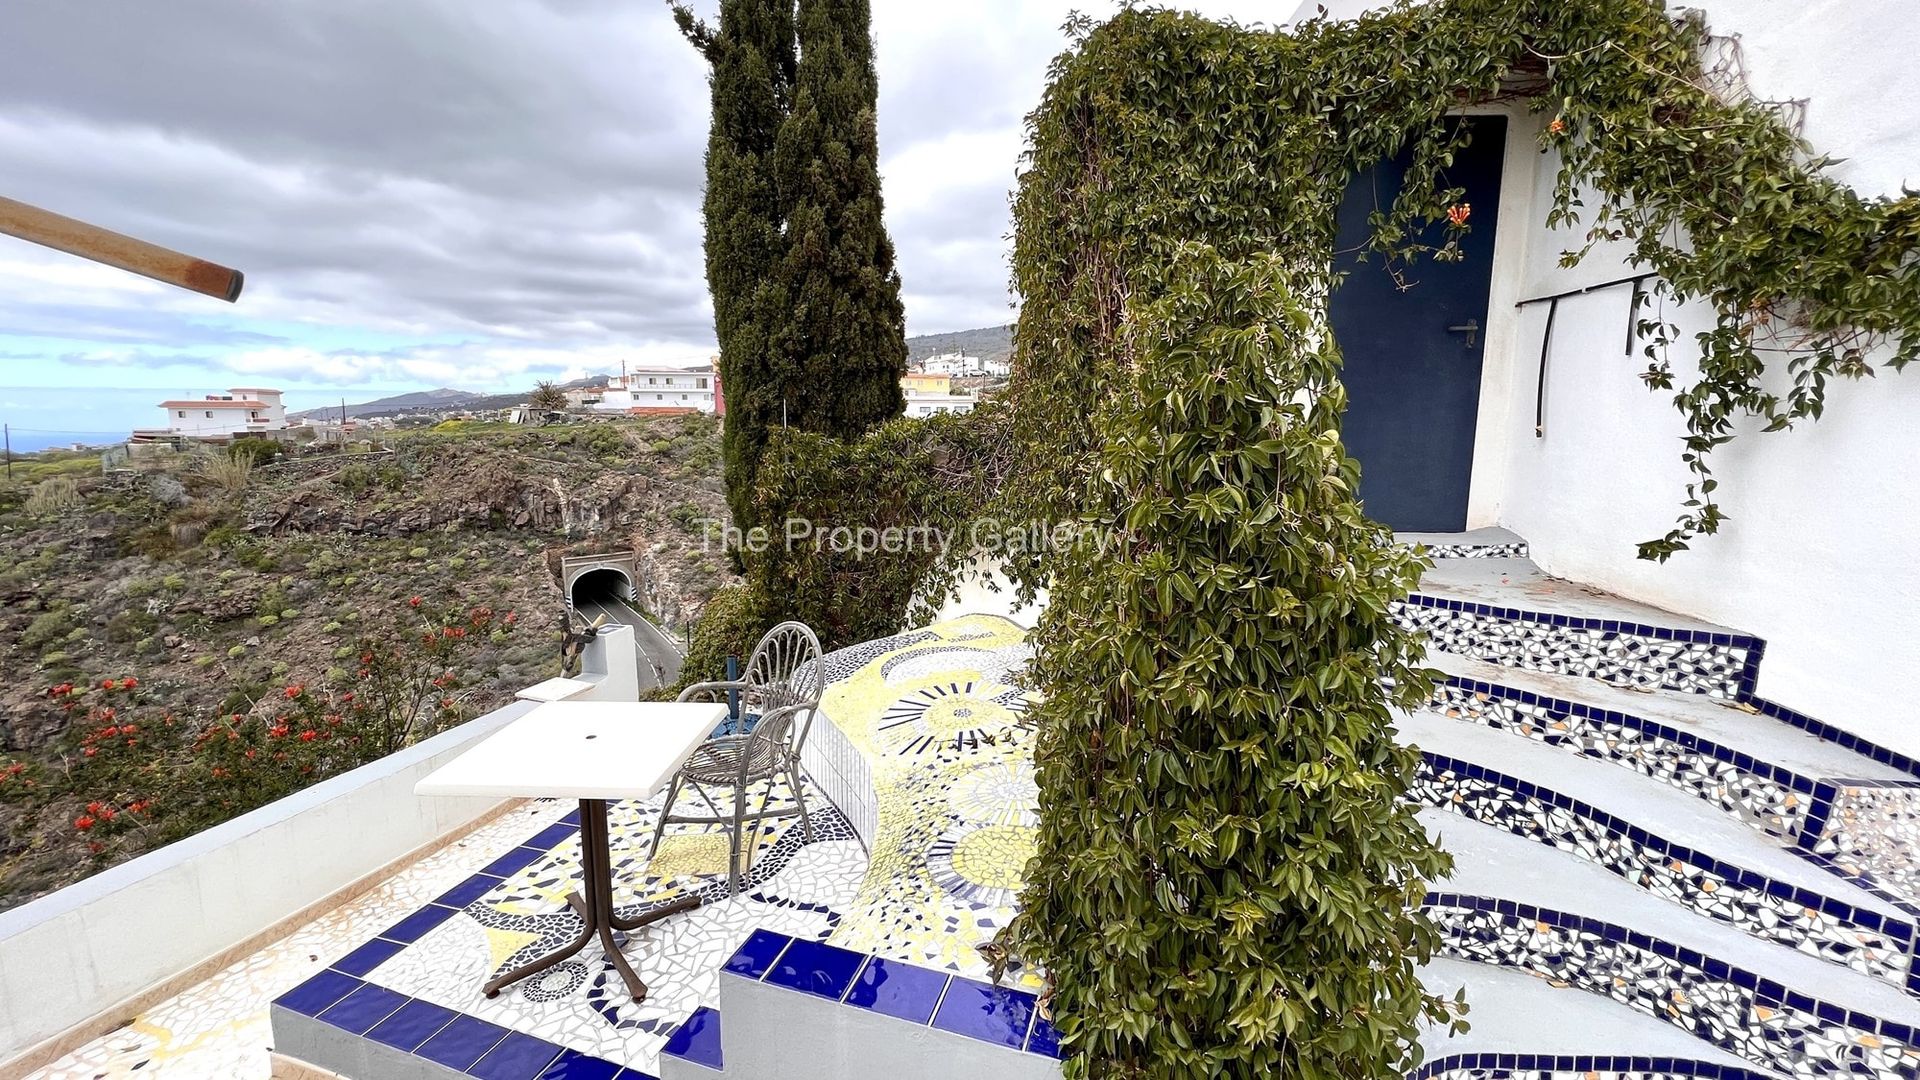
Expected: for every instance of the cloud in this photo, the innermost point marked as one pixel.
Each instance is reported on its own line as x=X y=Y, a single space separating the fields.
x=501 y=189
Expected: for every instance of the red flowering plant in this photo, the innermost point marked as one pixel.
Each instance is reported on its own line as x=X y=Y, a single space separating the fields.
x=411 y=680
x=136 y=775
x=119 y=765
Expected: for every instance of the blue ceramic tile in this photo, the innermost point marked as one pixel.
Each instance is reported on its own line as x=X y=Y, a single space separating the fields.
x=816 y=968
x=517 y=859
x=363 y=1008
x=468 y=891
x=895 y=989
x=757 y=953
x=574 y=1065
x=411 y=928
x=461 y=1042
x=517 y=1057
x=1044 y=1039
x=367 y=957
x=698 y=1040
x=552 y=836
x=414 y=1024
x=993 y=1014
x=312 y=997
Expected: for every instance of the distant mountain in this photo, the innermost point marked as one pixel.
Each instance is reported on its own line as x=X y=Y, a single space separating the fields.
x=418 y=401
x=987 y=343
x=444 y=399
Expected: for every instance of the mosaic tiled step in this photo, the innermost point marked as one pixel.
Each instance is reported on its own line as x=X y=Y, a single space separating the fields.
x=1557 y=858
x=1661 y=840
x=1869 y=827
x=1578 y=1067
x=1505 y=611
x=1748 y=765
x=1771 y=1024
x=1508 y=1006
x=1491 y=543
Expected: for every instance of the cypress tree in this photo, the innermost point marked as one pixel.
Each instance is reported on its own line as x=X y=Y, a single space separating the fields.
x=806 y=298
x=843 y=346
x=753 y=65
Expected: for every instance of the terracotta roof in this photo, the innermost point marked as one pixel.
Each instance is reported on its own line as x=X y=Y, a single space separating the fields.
x=213 y=405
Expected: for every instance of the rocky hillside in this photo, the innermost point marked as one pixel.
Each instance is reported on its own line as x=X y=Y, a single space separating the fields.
x=987 y=342
x=205 y=589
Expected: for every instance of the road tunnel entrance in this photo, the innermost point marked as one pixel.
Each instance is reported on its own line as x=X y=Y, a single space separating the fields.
x=600 y=586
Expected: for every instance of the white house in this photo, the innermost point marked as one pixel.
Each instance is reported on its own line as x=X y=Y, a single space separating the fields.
x=242 y=410
x=960 y=365
x=641 y=391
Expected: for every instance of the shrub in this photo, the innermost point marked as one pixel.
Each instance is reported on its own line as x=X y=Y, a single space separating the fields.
x=256 y=450
x=55 y=496
x=131 y=625
x=193 y=523
x=356 y=478
x=932 y=475
x=49 y=627
x=229 y=472
x=729 y=625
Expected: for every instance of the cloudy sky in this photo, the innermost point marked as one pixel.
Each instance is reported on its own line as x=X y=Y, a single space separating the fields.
x=441 y=192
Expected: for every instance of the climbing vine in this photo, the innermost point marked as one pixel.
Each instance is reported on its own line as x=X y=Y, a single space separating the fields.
x=1227 y=876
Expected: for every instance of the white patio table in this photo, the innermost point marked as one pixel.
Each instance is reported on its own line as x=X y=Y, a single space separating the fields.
x=592 y=751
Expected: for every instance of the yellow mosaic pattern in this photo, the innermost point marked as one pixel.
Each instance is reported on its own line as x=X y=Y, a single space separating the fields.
x=942 y=726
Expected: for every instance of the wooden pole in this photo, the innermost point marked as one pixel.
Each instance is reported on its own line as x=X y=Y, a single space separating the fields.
x=9 y=435
x=109 y=247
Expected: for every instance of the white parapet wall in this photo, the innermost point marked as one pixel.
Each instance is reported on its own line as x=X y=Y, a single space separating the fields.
x=87 y=949
x=96 y=949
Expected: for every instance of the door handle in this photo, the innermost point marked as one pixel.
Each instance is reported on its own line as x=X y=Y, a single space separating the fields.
x=1471 y=329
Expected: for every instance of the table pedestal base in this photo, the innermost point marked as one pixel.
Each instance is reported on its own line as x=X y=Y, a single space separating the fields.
x=596 y=909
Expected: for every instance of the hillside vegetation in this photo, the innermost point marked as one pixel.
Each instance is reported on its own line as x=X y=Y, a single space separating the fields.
x=159 y=624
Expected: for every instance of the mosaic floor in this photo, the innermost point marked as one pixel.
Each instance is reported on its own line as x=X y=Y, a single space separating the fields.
x=218 y=1028
x=935 y=712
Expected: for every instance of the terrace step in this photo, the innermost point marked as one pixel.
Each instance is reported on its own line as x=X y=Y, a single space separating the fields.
x=1506 y=611
x=1656 y=844
x=1813 y=1029
x=1490 y=543
x=1493 y=863
x=1507 y=1006
x=1748 y=765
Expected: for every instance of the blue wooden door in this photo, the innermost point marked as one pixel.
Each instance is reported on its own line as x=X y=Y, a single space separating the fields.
x=1412 y=346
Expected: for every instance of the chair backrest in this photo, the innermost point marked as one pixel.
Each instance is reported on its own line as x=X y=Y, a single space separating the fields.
x=786 y=670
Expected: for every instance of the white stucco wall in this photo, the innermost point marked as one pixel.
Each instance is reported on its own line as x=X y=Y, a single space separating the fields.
x=1817 y=557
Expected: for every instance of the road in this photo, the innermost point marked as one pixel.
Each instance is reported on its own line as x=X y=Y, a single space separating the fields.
x=659 y=654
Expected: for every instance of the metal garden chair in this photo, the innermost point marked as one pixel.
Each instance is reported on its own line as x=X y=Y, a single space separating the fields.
x=772 y=709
